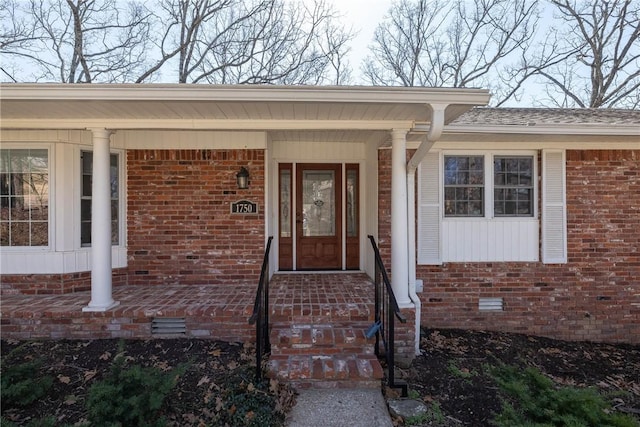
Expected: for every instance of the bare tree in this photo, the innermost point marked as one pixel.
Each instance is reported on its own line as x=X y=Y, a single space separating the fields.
x=406 y=50
x=187 y=41
x=453 y=43
x=81 y=41
x=600 y=45
x=17 y=36
x=235 y=41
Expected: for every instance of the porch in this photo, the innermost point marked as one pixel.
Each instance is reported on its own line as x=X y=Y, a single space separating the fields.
x=318 y=322
x=208 y=311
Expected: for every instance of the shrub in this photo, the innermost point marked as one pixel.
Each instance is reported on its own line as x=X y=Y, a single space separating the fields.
x=130 y=396
x=534 y=401
x=22 y=384
x=246 y=403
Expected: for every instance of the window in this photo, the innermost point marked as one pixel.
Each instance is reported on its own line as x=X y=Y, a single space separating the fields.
x=285 y=202
x=85 y=198
x=478 y=206
x=465 y=180
x=513 y=186
x=464 y=186
x=24 y=197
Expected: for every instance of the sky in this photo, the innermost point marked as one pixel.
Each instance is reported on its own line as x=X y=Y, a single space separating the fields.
x=364 y=16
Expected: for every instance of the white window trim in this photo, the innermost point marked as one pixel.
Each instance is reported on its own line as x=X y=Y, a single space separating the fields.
x=489 y=155
x=52 y=200
x=502 y=239
x=64 y=253
x=122 y=223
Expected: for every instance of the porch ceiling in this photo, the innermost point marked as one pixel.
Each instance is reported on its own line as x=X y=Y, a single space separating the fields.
x=273 y=108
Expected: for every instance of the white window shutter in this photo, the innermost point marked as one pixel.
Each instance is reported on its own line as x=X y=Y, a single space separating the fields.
x=554 y=208
x=429 y=218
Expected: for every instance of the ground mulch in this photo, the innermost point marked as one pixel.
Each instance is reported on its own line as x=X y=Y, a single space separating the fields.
x=206 y=394
x=451 y=371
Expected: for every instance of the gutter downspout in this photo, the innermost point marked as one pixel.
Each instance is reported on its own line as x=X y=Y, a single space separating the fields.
x=435 y=131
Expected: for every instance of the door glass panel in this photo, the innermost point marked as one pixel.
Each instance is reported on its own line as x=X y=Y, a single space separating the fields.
x=352 y=203
x=285 y=203
x=318 y=203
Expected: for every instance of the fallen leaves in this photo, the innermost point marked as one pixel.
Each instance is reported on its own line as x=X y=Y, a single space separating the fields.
x=71 y=399
x=204 y=380
x=89 y=375
x=203 y=395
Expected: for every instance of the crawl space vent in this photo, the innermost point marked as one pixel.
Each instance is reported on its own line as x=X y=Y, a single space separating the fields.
x=490 y=304
x=165 y=326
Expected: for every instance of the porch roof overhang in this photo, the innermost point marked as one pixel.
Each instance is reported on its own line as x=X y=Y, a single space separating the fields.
x=229 y=107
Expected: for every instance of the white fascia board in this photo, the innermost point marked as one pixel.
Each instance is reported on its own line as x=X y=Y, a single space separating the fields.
x=559 y=129
x=262 y=125
x=239 y=93
x=530 y=145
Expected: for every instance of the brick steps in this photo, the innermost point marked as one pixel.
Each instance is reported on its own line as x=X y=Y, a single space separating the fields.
x=320 y=339
x=327 y=371
x=324 y=355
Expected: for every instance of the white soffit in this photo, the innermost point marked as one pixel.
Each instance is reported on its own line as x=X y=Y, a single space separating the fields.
x=227 y=107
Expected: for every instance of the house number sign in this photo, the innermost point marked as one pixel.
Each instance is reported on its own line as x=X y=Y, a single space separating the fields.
x=244 y=207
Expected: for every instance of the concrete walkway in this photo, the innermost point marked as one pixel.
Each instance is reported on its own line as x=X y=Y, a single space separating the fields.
x=338 y=408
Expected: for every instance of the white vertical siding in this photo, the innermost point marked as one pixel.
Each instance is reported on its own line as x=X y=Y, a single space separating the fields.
x=63 y=254
x=496 y=240
x=173 y=139
x=315 y=151
x=43 y=262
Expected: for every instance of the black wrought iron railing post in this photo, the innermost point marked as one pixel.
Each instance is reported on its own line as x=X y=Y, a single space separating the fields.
x=391 y=348
x=378 y=300
x=260 y=315
x=265 y=331
x=386 y=311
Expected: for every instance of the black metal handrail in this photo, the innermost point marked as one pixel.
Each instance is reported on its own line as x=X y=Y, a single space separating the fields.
x=260 y=314
x=386 y=311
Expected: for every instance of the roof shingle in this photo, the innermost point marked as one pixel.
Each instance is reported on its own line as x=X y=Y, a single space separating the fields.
x=548 y=116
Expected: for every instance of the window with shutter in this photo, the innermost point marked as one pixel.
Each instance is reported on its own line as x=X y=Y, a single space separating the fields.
x=429 y=229
x=478 y=206
x=554 y=211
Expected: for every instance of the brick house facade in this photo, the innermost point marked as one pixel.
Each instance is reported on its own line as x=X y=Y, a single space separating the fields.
x=595 y=295
x=179 y=227
x=567 y=269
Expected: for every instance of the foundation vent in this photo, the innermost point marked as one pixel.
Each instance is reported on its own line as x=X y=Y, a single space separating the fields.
x=168 y=326
x=490 y=304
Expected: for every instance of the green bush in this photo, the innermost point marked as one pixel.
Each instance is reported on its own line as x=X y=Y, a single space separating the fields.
x=130 y=396
x=247 y=403
x=534 y=401
x=21 y=385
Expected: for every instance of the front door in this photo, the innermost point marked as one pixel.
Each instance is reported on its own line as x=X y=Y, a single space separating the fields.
x=318 y=216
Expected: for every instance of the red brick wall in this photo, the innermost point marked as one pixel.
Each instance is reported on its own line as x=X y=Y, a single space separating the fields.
x=40 y=284
x=179 y=226
x=595 y=296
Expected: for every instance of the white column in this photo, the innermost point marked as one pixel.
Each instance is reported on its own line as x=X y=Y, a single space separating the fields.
x=399 y=225
x=101 y=295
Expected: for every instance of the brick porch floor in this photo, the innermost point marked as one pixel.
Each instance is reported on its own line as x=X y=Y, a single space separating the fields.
x=215 y=312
